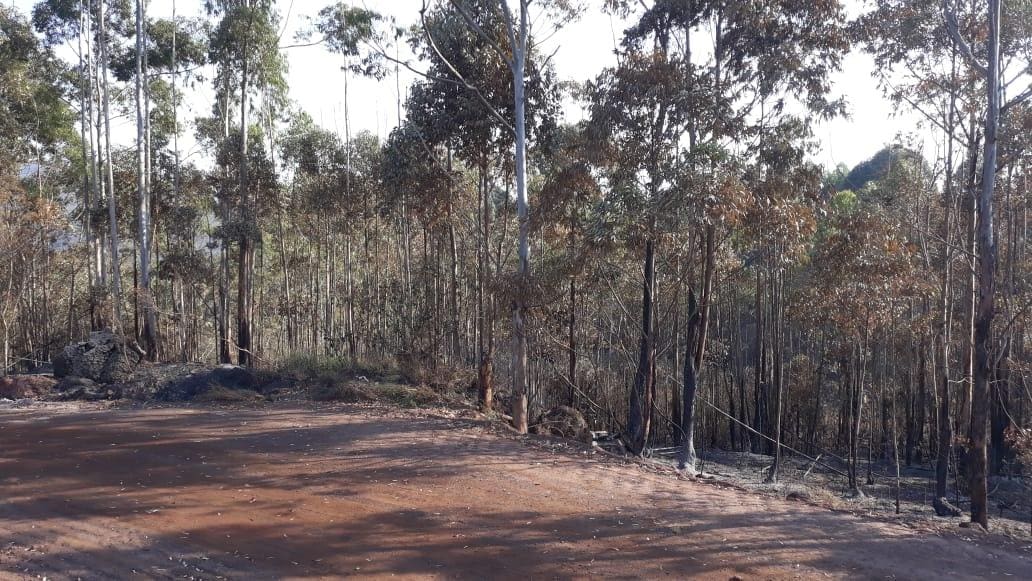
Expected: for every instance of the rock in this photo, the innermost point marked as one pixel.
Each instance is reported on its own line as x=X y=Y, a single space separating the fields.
x=944 y=508
x=231 y=377
x=105 y=358
x=564 y=422
x=25 y=386
x=72 y=387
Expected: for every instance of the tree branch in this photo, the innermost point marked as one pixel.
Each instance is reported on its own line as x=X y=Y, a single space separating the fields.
x=480 y=96
x=954 y=29
x=1021 y=98
x=468 y=18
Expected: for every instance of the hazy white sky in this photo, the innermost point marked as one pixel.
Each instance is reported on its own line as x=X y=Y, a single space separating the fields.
x=583 y=48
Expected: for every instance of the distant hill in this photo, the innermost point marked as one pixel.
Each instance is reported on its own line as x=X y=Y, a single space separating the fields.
x=875 y=168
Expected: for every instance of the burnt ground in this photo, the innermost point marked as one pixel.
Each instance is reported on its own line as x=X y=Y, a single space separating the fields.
x=799 y=477
x=306 y=491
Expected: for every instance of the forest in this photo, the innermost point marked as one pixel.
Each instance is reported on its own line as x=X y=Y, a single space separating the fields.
x=674 y=266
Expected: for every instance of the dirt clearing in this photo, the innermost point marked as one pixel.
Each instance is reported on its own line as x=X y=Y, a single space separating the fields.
x=301 y=493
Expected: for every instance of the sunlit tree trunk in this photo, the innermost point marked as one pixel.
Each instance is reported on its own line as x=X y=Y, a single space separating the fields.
x=521 y=385
x=150 y=330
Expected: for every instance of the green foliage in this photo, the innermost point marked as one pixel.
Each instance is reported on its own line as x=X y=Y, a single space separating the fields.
x=349 y=30
x=844 y=201
x=33 y=109
x=306 y=367
x=445 y=111
x=332 y=178
x=262 y=184
x=247 y=32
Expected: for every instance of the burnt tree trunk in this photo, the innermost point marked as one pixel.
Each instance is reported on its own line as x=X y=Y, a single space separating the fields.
x=639 y=412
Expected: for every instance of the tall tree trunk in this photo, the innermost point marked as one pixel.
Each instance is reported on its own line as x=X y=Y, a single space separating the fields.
x=941 y=358
x=486 y=323
x=521 y=383
x=145 y=298
x=986 y=278
x=222 y=304
x=571 y=344
x=709 y=260
x=640 y=409
x=89 y=175
x=245 y=264
x=116 y=274
x=777 y=367
x=693 y=333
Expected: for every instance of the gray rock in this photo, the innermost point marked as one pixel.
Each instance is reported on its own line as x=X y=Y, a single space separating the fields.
x=105 y=358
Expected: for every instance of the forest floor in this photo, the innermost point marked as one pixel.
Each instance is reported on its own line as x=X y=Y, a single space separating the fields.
x=307 y=491
x=799 y=478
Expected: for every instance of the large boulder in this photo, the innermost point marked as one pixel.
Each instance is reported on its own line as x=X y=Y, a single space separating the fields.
x=563 y=422
x=23 y=386
x=105 y=358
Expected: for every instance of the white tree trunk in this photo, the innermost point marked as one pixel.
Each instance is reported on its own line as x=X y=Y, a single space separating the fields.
x=519 y=307
x=144 y=297
x=116 y=274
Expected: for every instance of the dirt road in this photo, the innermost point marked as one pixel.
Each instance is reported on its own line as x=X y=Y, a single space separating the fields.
x=306 y=494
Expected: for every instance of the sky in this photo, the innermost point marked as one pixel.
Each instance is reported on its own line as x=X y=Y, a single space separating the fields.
x=582 y=48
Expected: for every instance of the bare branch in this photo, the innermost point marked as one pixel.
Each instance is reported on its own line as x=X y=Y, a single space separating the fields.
x=1021 y=98
x=303 y=44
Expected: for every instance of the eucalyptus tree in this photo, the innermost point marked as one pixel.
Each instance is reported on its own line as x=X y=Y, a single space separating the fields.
x=919 y=65
x=33 y=106
x=177 y=50
x=463 y=106
x=98 y=24
x=150 y=321
x=515 y=47
x=61 y=21
x=570 y=196
x=991 y=67
x=36 y=126
x=112 y=205
x=357 y=35
x=667 y=98
x=948 y=60
x=641 y=108
x=506 y=32
x=245 y=46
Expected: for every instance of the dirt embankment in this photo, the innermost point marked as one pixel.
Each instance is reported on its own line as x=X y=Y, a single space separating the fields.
x=327 y=491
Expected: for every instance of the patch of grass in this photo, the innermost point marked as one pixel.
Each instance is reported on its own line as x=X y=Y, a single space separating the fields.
x=323 y=369
x=361 y=392
x=344 y=391
x=405 y=396
x=340 y=379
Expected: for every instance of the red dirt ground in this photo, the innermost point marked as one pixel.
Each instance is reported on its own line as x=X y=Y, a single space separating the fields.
x=301 y=493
